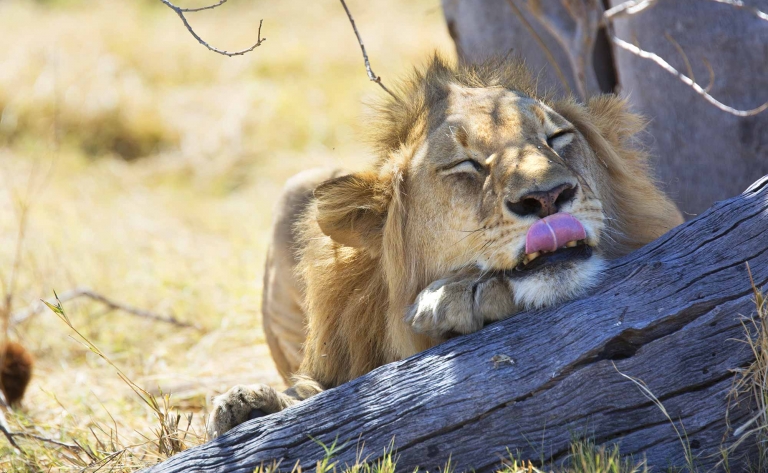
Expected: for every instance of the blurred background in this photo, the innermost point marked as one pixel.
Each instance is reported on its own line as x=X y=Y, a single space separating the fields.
x=139 y=164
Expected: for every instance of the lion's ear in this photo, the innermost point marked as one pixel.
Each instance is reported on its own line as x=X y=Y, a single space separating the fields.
x=352 y=209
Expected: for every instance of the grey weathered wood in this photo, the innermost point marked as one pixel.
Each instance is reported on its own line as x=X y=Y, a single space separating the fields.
x=667 y=314
x=503 y=34
x=703 y=153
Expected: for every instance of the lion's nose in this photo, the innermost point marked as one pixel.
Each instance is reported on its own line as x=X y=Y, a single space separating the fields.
x=543 y=203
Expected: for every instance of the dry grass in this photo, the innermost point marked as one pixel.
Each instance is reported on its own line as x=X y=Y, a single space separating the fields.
x=752 y=385
x=86 y=87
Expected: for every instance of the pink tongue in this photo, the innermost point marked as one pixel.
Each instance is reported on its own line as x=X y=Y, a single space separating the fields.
x=553 y=232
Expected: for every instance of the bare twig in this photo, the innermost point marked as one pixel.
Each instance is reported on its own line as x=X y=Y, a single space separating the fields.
x=11 y=436
x=637 y=6
x=181 y=11
x=209 y=7
x=371 y=75
x=742 y=6
x=41 y=305
x=627 y=9
x=685 y=79
x=69 y=446
x=542 y=45
x=574 y=25
x=711 y=74
x=680 y=51
x=7 y=431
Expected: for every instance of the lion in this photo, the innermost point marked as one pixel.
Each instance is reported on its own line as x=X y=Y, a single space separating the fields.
x=486 y=199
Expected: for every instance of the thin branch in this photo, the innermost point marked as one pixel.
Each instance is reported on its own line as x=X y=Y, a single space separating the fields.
x=6 y=430
x=574 y=25
x=711 y=74
x=209 y=7
x=40 y=306
x=542 y=45
x=371 y=75
x=11 y=437
x=627 y=8
x=180 y=12
x=685 y=79
x=637 y=6
x=742 y=6
x=69 y=446
x=681 y=52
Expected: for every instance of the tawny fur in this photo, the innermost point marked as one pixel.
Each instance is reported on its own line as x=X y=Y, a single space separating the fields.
x=390 y=261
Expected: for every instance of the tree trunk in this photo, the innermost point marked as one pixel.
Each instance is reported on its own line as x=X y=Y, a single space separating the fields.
x=703 y=154
x=667 y=314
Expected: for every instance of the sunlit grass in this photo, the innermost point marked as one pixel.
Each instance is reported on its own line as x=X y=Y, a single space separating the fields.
x=751 y=387
x=179 y=223
x=585 y=457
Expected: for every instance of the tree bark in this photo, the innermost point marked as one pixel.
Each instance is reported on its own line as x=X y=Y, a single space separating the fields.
x=704 y=154
x=667 y=314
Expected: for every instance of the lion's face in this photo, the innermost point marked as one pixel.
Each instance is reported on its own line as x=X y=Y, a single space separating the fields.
x=505 y=184
x=477 y=171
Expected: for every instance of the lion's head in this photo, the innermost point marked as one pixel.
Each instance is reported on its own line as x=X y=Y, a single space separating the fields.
x=478 y=170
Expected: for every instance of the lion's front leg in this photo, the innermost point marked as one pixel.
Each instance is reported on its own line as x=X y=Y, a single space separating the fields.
x=242 y=403
x=460 y=304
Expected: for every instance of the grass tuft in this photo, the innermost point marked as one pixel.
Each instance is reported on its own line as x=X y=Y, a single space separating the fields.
x=586 y=457
x=752 y=384
x=105 y=448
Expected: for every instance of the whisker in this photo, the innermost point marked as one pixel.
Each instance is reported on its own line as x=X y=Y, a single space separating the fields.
x=469 y=234
x=471 y=231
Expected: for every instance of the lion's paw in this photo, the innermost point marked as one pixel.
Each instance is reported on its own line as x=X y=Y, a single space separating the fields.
x=242 y=403
x=459 y=305
x=442 y=308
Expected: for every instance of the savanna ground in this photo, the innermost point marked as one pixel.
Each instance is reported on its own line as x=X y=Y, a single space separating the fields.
x=137 y=163
x=149 y=167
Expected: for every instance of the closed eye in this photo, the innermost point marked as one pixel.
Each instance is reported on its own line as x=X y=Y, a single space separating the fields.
x=469 y=166
x=560 y=139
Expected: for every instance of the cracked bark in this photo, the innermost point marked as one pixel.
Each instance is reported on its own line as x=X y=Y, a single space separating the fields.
x=667 y=314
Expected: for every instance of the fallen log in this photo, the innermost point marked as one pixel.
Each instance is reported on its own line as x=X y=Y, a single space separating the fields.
x=668 y=314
